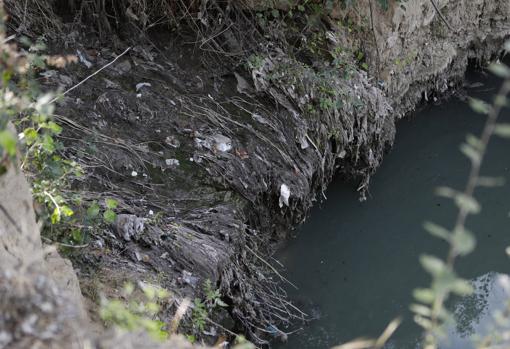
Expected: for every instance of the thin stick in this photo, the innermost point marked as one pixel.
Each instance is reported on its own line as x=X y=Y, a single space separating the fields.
x=441 y=16
x=90 y=76
x=272 y=268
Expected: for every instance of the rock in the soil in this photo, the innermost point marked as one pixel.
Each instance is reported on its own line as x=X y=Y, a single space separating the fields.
x=128 y=226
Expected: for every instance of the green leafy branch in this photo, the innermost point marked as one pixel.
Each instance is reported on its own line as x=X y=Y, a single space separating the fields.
x=430 y=312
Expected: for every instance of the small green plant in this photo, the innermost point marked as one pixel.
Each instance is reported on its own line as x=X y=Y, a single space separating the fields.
x=255 y=62
x=202 y=308
x=134 y=315
x=25 y=106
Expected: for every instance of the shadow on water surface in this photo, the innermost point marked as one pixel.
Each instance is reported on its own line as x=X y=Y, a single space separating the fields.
x=356 y=263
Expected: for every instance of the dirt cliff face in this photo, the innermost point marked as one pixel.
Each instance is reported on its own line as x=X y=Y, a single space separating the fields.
x=221 y=161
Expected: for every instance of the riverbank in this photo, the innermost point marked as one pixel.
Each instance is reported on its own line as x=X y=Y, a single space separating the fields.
x=222 y=154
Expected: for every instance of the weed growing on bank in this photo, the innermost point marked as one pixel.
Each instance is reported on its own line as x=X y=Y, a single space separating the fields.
x=66 y=218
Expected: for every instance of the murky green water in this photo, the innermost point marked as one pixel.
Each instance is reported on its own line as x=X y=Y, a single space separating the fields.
x=356 y=264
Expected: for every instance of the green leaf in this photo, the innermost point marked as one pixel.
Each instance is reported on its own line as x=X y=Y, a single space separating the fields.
x=54 y=127
x=490 y=181
x=93 y=210
x=8 y=142
x=432 y=264
x=501 y=101
x=500 y=70
x=66 y=211
x=463 y=241
x=221 y=303
x=48 y=143
x=502 y=130
x=109 y=216
x=462 y=287
x=424 y=295
x=111 y=203
x=467 y=203
x=474 y=141
x=77 y=235
x=437 y=231
x=446 y=192
x=479 y=106
x=472 y=153
x=55 y=216
x=30 y=135
x=421 y=309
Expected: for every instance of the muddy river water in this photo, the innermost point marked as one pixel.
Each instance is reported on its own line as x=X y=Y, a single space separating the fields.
x=356 y=263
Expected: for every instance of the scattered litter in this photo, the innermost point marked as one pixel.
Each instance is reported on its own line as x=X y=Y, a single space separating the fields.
x=151 y=212
x=134 y=174
x=212 y=332
x=128 y=225
x=172 y=162
x=284 y=195
x=303 y=142
x=49 y=74
x=84 y=60
x=141 y=85
x=222 y=143
x=138 y=95
x=342 y=154
x=216 y=142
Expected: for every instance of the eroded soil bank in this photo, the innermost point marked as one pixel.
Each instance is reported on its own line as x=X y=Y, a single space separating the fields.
x=221 y=153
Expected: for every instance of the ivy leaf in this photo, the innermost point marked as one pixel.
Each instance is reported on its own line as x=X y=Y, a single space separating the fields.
x=54 y=127
x=109 y=216
x=93 y=210
x=66 y=211
x=111 y=203
x=30 y=135
x=48 y=143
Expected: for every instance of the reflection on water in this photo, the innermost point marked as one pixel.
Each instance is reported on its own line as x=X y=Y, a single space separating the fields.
x=356 y=264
